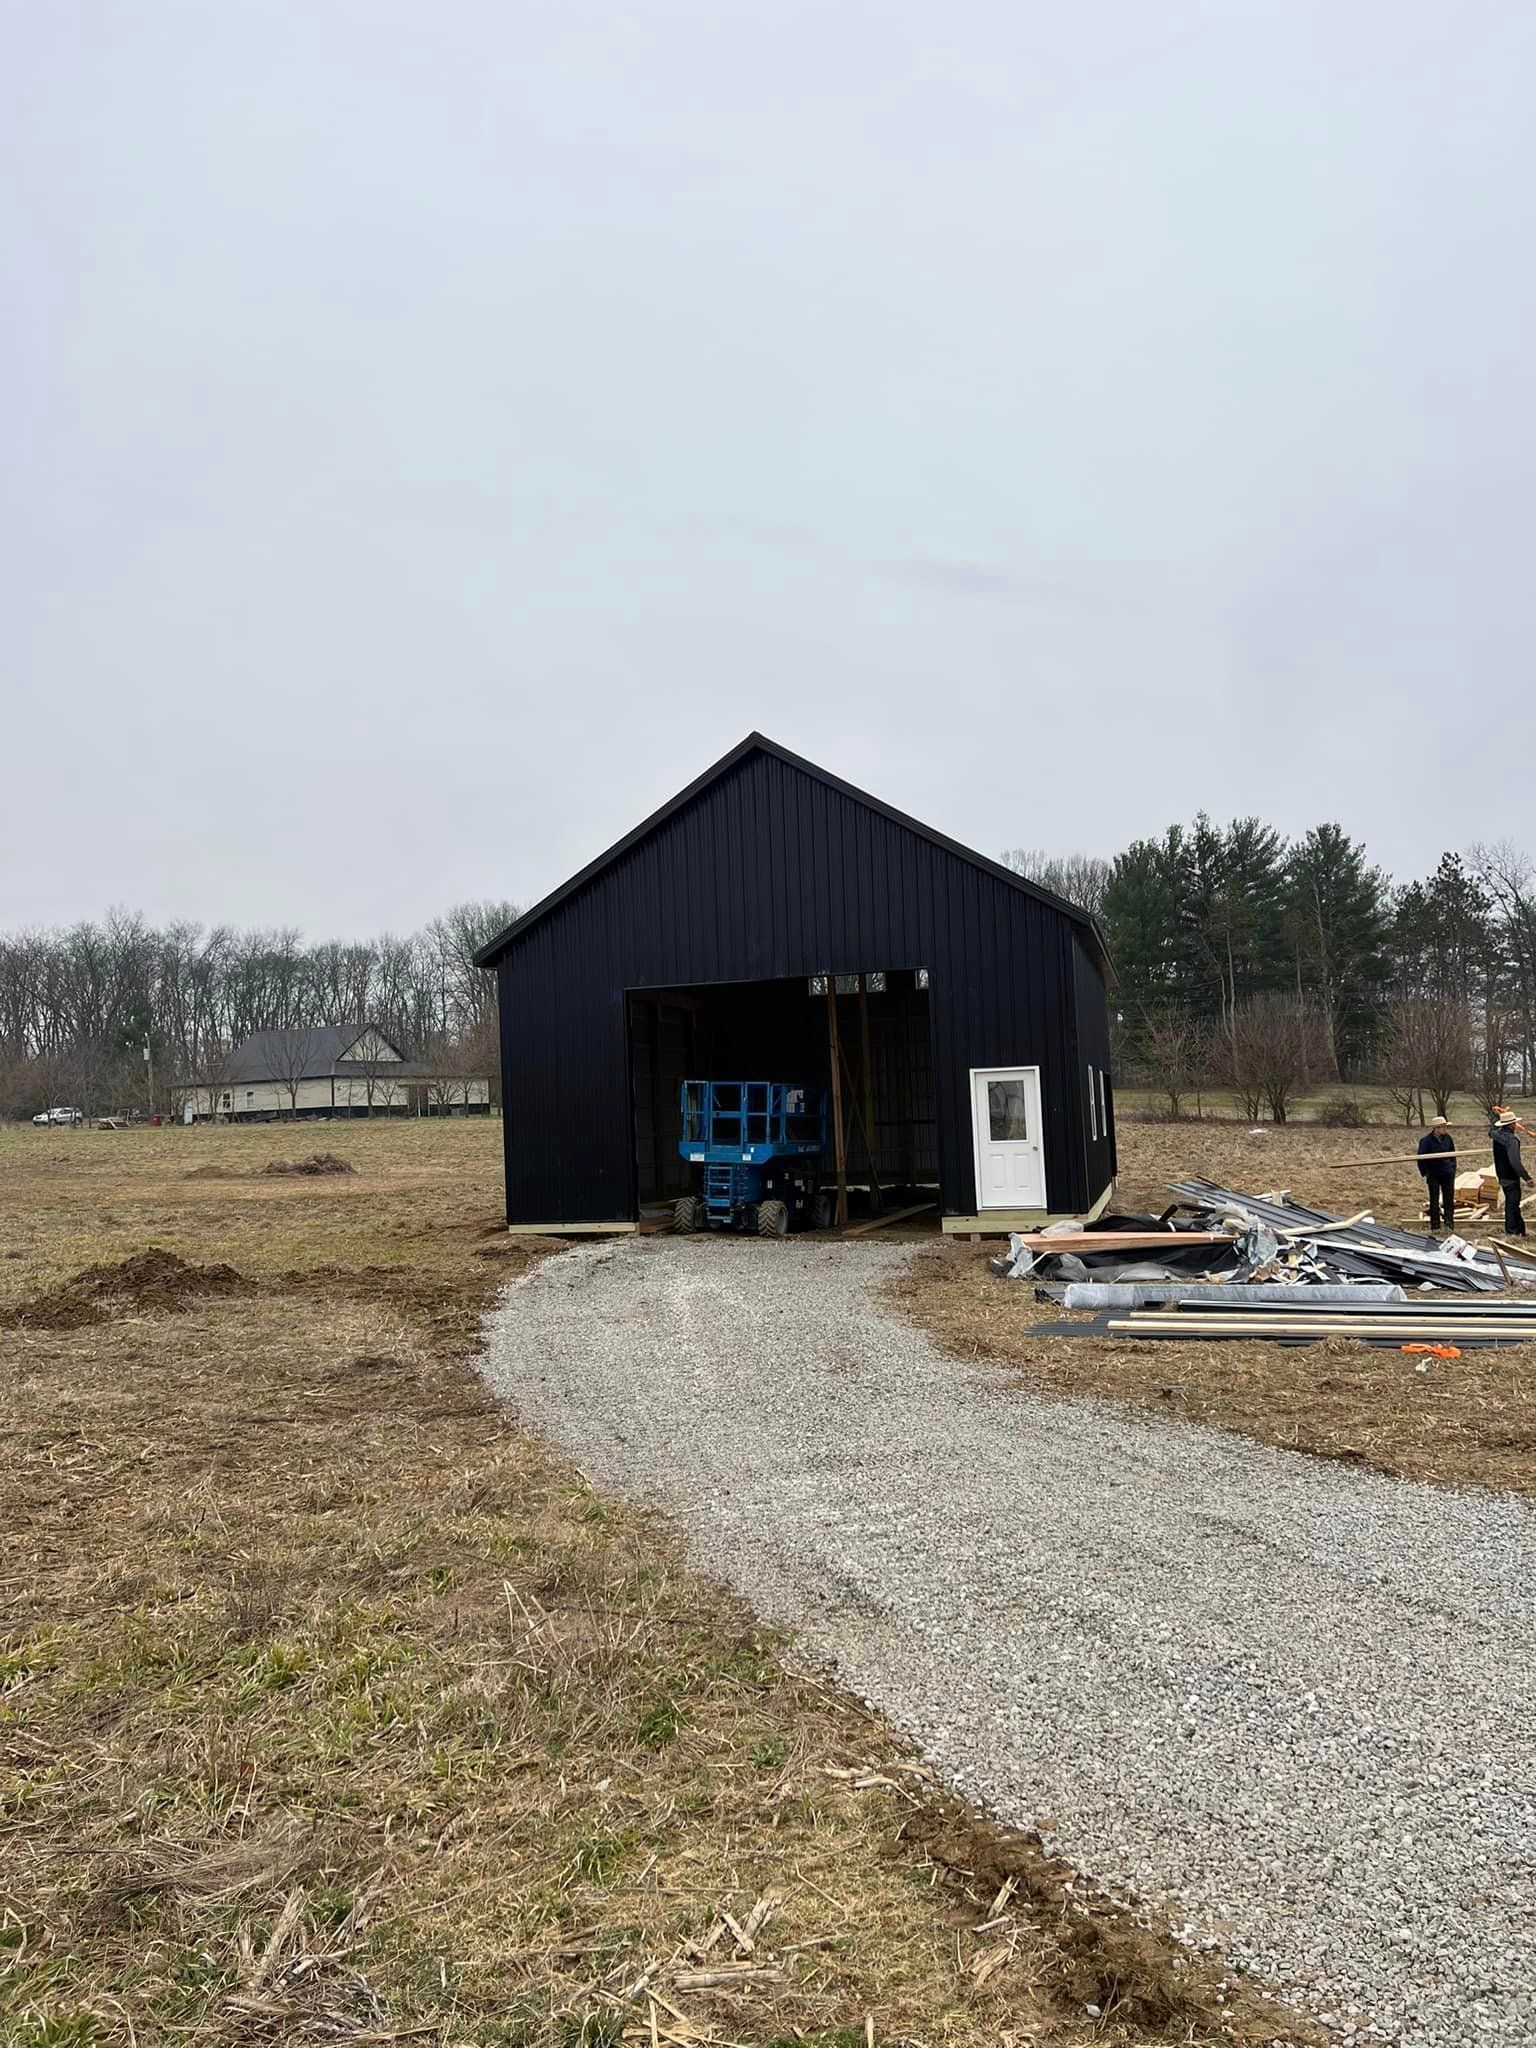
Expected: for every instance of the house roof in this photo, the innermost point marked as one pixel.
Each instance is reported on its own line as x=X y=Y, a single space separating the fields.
x=756 y=742
x=315 y=1052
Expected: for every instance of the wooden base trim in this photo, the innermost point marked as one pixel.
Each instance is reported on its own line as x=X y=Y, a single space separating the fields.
x=998 y=1222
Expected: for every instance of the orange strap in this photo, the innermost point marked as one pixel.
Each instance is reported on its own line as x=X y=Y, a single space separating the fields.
x=1433 y=1350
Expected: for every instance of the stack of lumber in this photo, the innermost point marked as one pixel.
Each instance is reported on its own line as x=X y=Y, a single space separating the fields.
x=1167 y=1239
x=1393 y=1324
x=1465 y=1325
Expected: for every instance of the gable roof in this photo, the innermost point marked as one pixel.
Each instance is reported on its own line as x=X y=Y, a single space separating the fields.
x=272 y=1055
x=756 y=742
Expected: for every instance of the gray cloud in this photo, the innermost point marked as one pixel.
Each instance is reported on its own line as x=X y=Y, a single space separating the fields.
x=432 y=436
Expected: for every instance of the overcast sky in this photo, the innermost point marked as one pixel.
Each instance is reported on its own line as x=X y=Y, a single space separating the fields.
x=435 y=432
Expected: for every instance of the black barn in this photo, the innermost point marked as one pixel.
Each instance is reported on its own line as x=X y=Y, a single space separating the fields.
x=970 y=1005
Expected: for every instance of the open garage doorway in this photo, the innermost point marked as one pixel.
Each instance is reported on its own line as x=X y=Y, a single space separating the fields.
x=784 y=1031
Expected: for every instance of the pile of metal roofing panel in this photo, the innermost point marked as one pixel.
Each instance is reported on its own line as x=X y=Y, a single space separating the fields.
x=1225 y=1243
x=1343 y=1247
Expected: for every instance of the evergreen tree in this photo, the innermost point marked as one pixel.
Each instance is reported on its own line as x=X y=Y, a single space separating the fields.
x=1142 y=913
x=1234 y=911
x=1336 y=916
x=1444 y=940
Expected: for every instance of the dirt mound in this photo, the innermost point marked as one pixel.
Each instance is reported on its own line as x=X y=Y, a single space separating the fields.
x=211 y=1173
x=154 y=1279
x=317 y=1162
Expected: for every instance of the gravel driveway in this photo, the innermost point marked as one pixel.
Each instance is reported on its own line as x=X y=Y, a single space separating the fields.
x=1294 y=1701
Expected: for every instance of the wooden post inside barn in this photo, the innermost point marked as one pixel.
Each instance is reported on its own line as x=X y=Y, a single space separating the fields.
x=839 y=1148
x=867 y=1076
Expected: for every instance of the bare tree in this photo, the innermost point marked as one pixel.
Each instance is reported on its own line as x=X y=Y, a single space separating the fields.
x=289 y=1056
x=1428 y=1049
x=1494 y=1054
x=1509 y=877
x=1400 y=1069
x=207 y=1076
x=377 y=1065
x=1174 y=1057
x=1081 y=878
x=450 y=1084
x=385 y=1088
x=480 y=1048
x=1274 y=1042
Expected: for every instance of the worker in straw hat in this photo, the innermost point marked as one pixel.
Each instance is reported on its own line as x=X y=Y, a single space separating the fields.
x=1509 y=1167
x=1437 y=1163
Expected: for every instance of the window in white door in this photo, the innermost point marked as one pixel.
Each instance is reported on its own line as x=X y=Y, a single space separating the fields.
x=1008 y=1110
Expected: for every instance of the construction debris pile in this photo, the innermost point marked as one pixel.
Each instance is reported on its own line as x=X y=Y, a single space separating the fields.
x=1269 y=1265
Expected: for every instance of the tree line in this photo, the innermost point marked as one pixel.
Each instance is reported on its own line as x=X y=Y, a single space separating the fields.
x=1244 y=961
x=1267 y=966
x=79 y=1005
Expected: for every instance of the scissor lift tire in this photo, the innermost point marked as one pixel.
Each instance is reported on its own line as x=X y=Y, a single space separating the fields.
x=772 y=1219
x=687 y=1215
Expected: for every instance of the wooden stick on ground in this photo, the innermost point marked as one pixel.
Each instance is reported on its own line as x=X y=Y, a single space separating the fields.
x=1398 y=1159
x=1319 y=1229
x=888 y=1216
x=1121 y=1240
x=718 y=1980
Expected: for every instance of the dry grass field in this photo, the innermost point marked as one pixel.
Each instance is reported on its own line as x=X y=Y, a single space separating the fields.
x=333 y=1709
x=1468 y=1421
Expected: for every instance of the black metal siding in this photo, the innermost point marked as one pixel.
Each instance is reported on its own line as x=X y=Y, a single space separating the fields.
x=1093 y=1051
x=767 y=873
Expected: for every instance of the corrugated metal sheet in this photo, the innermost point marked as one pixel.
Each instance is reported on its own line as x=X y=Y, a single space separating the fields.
x=1093 y=1052
x=767 y=872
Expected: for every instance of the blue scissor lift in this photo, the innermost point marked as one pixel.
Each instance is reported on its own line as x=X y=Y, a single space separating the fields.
x=757 y=1146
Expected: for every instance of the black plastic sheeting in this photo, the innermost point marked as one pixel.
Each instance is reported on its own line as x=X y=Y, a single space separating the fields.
x=1177 y=1258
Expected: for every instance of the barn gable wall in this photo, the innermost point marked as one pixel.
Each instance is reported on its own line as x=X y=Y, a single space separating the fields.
x=770 y=872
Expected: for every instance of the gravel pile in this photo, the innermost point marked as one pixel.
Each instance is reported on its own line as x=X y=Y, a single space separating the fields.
x=1292 y=1702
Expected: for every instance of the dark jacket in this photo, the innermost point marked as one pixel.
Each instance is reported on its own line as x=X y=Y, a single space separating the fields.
x=1431 y=1143
x=1506 y=1156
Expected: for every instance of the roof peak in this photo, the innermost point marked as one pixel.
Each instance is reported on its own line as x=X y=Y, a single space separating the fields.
x=759 y=742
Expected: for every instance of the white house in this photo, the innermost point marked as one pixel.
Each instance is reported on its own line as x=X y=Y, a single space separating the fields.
x=331 y=1070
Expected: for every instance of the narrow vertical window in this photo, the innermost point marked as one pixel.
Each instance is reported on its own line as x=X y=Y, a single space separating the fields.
x=1093 y=1108
x=1103 y=1112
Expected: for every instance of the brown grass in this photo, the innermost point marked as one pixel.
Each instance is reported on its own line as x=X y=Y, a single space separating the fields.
x=1309 y=1159
x=334 y=1709
x=1464 y=1422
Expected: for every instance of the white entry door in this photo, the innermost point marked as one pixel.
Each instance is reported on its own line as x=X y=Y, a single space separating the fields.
x=1010 y=1164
